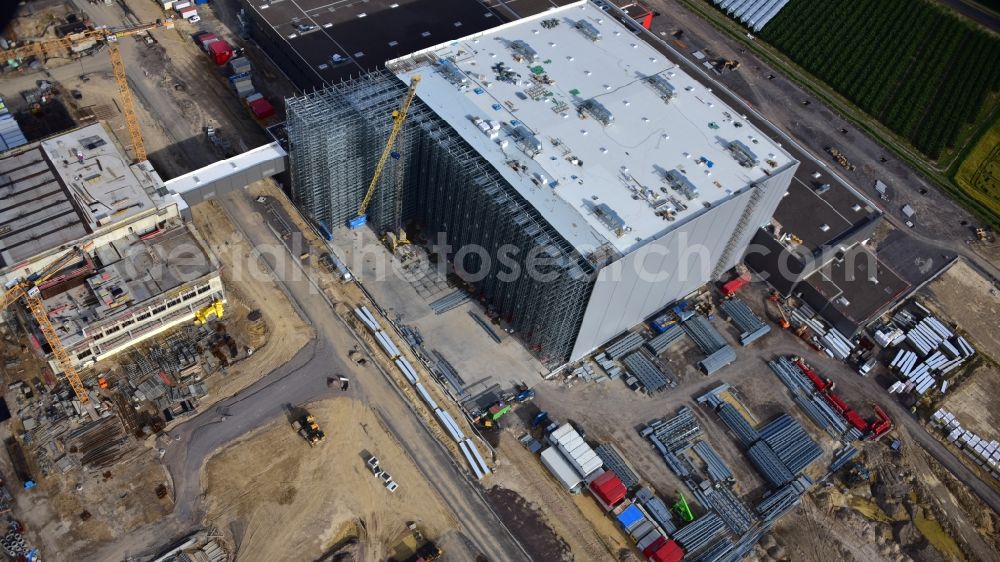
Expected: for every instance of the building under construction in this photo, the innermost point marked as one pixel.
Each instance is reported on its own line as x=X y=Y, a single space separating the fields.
x=563 y=144
x=130 y=266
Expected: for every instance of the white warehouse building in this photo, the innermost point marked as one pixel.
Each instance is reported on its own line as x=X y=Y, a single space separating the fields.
x=564 y=132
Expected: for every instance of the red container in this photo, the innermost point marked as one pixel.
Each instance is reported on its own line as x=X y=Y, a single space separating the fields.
x=669 y=552
x=205 y=39
x=609 y=488
x=220 y=51
x=261 y=109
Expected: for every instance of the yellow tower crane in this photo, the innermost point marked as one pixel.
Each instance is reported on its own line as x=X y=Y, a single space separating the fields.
x=398 y=118
x=28 y=289
x=42 y=50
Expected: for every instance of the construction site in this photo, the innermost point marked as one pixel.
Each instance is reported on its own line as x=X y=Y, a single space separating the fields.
x=389 y=281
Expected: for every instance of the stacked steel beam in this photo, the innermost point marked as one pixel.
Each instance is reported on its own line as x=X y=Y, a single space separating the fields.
x=649 y=375
x=734 y=514
x=738 y=424
x=699 y=533
x=625 y=345
x=778 y=502
x=751 y=326
x=615 y=463
x=791 y=443
x=717 y=469
x=449 y=301
x=660 y=343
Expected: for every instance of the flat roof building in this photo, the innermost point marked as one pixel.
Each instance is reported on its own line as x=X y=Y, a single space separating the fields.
x=563 y=135
x=316 y=42
x=139 y=269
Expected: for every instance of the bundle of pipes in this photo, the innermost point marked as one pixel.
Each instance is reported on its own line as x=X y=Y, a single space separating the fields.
x=701 y=532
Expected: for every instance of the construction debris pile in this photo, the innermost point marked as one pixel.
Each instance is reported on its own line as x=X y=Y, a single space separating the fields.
x=984 y=453
x=152 y=385
x=198 y=547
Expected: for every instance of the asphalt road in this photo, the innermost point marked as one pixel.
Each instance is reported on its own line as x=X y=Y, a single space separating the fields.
x=986 y=18
x=776 y=106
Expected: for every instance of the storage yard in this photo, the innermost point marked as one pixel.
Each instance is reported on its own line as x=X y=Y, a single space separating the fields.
x=260 y=381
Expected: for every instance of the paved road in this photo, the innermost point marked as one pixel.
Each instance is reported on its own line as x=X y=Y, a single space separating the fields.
x=813 y=127
x=302 y=380
x=986 y=18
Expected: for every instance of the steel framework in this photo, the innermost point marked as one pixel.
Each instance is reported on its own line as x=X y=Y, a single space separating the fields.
x=450 y=193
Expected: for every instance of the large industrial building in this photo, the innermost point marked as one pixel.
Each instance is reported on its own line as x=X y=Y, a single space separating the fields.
x=137 y=267
x=566 y=137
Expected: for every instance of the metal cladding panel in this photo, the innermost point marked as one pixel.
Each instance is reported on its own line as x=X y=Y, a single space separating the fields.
x=625 y=294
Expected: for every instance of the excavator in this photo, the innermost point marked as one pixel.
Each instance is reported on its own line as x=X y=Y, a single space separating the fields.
x=214 y=308
x=28 y=288
x=43 y=50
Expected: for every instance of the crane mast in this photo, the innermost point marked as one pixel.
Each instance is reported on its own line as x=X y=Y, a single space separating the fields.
x=28 y=289
x=398 y=118
x=44 y=49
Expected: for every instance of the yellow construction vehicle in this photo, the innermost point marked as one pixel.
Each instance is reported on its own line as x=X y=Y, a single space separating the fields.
x=307 y=427
x=202 y=315
x=28 y=289
x=42 y=50
x=398 y=118
x=981 y=234
x=393 y=240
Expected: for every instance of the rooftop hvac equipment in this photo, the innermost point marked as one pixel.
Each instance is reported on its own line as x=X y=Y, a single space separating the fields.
x=588 y=30
x=743 y=154
x=610 y=219
x=527 y=140
x=679 y=182
x=451 y=72
x=523 y=51
x=665 y=89
x=597 y=110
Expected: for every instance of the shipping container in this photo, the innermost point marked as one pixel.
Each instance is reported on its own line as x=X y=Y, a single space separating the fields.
x=220 y=51
x=189 y=12
x=561 y=469
x=181 y=4
x=262 y=109
x=203 y=40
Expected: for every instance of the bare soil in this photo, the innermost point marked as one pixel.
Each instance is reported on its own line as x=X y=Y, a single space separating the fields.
x=289 y=501
x=963 y=296
x=119 y=501
x=249 y=287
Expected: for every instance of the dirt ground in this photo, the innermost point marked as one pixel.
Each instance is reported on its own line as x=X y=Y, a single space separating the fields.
x=965 y=297
x=586 y=532
x=119 y=500
x=296 y=501
x=248 y=286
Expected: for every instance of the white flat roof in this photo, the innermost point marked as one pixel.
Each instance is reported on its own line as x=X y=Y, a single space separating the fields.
x=584 y=167
x=106 y=186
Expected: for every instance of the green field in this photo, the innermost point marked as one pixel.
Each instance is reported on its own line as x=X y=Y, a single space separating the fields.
x=917 y=68
x=979 y=174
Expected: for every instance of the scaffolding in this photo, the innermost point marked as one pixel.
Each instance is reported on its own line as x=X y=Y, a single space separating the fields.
x=335 y=138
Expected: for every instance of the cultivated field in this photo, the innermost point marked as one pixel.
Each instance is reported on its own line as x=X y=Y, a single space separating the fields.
x=920 y=70
x=979 y=174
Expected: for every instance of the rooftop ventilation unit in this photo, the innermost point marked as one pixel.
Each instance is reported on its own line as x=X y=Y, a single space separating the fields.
x=665 y=89
x=610 y=219
x=743 y=154
x=679 y=182
x=588 y=30
x=597 y=110
x=523 y=51
x=451 y=72
x=527 y=140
